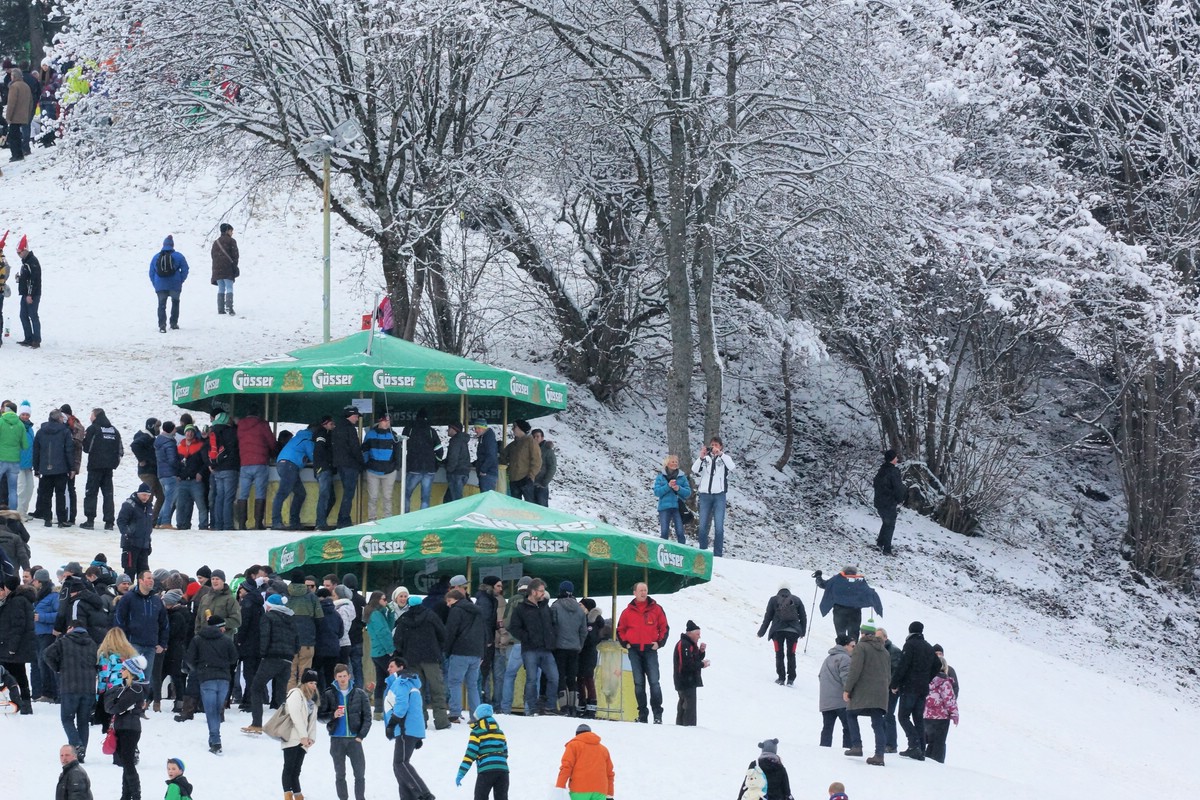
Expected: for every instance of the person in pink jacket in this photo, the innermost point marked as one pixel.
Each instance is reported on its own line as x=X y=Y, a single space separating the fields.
x=941 y=707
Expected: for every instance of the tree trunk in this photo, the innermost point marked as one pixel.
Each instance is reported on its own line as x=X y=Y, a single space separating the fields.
x=37 y=36
x=679 y=301
x=785 y=374
x=395 y=276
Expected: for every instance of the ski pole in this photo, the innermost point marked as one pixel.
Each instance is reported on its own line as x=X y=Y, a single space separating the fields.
x=812 y=619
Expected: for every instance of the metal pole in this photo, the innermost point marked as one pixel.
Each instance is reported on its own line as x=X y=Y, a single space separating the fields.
x=812 y=619
x=371 y=335
x=613 y=619
x=325 y=295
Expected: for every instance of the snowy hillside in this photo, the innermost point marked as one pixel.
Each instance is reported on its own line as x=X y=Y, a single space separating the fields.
x=1071 y=678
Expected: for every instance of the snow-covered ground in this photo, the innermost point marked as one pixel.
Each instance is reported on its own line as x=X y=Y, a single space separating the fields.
x=1072 y=684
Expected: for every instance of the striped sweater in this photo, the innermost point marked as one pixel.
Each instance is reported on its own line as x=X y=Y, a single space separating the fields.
x=487 y=748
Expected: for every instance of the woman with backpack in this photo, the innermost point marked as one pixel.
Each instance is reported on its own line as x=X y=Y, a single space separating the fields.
x=787 y=622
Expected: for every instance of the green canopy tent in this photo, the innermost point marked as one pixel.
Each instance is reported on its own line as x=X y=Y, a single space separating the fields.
x=398 y=376
x=491 y=533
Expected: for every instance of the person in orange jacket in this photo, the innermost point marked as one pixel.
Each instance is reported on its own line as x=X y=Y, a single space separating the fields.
x=643 y=629
x=586 y=769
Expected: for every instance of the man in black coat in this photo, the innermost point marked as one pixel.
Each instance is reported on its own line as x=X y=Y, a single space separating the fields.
x=346 y=711
x=102 y=443
x=910 y=680
x=890 y=492
x=210 y=660
x=786 y=620
x=73 y=657
x=136 y=523
x=18 y=645
x=420 y=638
x=686 y=664
x=81 y=603
x=147 y=460
x=347 y=458
x=278 y=644
x=73 y=782
x=533 y=625
x=466 y=631
x=53 y=464
x=485 y=598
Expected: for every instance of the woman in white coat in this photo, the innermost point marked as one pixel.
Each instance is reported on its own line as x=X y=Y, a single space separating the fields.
x=301 y=707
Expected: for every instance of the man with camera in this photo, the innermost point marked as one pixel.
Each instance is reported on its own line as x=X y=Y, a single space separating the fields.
x=712 y=470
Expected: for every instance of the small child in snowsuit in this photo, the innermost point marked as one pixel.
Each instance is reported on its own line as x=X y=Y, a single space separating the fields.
x=837 y=791
x=178 y=787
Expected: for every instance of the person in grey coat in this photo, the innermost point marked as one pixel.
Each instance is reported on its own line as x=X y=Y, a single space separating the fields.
x=73 y=657
x=889 y=721
x=570 y=621
x=541 y=482
x=866 y=690
x=832 y=681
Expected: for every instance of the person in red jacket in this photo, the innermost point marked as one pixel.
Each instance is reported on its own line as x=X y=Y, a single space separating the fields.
x=256 y=445
x=643 y=629
x=586 y=768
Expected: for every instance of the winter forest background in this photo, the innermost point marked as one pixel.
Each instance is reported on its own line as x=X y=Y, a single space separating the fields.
x=984 y=214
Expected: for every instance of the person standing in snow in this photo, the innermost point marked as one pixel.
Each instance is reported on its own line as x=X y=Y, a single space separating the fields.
x=225 y=268
x=671 y=487
x=301 y=730
x=487 y=455
x=586 y=769
x=941 y=708
x=29 y=287
x=770 y=771
x=135 y=521
x=890 y=492
x=918 y=666
x=346 y=711
x=102 y=443
x=53 y=461
x=4 y=290
x=18 y=111
x=643 y=628
x=73 y=782
x=142 y=446
x=847 y=594
x=124 y=703
x=178 y=787
x=13 y=444
x=168 y=271
x=787 y=621
x=687 y=663
x=832 y=682
x=404 y=723
x=712 y=468
x=541 y=483
x=487 y=749
x=940 y=653
x=866 y=691
x=889 y=721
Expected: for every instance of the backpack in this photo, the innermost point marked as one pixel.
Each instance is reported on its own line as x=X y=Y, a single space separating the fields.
x=754 y=785
x=785 y=610
x=8 y=568
x=164 y=267
x=218 y=456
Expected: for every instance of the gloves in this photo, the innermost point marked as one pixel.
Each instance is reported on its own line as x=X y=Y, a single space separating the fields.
x=817 y=574
x=458 y=779
x=420 y=743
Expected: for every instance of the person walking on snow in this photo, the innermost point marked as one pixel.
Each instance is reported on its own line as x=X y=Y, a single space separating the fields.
x=487 y=749
x=787 y=622
x=225 y=268
x=890 y=492
x=847 y=594
x=168 y=271
x=586 y=768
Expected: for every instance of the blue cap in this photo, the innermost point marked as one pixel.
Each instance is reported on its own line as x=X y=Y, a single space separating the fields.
x=483 y=711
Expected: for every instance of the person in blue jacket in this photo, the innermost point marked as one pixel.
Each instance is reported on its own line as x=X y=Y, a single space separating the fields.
x=295 y=455
x=404 y=722
x=671 y=488
x=166 y=453
x=847 y=594
x=487 y=456
x=25 y=479
x=168 y=271
x=45 y=612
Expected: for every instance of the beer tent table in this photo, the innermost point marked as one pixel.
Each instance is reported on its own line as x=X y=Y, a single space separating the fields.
x=396 y=375
x=493 y=534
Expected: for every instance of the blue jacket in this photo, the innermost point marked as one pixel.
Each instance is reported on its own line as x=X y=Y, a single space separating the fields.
x=402 y=709
x=299 y=450
x=143 y=618
x=27 y=453
x=850 y=591
x=175 y=282
x=667 y=498
x=47 y=612
x=166 y=452
x=329 y=631
x=487 y=455
x=382 y=451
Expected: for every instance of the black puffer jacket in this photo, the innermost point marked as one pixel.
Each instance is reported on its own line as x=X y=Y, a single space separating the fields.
x=773 y=618
x=73 y=657
x=102 y=443
x=211 y=656
x=358 y=710
x=143 y=450
x=277 y=634
x=252 y=612
x=53 y=449
x=889 y=486
x=533 y=626
x=918 y=665
x=180 y=630
x=466 y=631
x=87 y=607
x=17 y=642
x=135 y=521
x=126 y=703
x=14 y=538
x=346 y=447
x=419 y=636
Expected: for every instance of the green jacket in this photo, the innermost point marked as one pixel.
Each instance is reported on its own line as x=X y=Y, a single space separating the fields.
x=219 y=604
x=12 y=437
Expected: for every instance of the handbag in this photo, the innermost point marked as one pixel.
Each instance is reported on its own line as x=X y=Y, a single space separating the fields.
x=110 y=742
x=279 y=726
x=686 y=513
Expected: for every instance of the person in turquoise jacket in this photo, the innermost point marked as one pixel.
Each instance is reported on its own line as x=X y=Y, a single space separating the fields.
x=380 y=621
x=25 y=483
x=672 y=488
x=168 y=271
x=14 y=441
x=404 y=722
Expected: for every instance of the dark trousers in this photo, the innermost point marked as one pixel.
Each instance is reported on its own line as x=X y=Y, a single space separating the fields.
x=31 y=323
x=135 y=560
x=293 y=762
x=889 y=721
x=567 y=661
x=249 y=670
x=409 y=782
x=541 y=495
x=325 y=479
x=48 y=486
x=493 y=783
x=349 y=478
x=685 y=709
x=911 y=713
x=644 y=666
x=341 y=748
x=72 y=500
x=381 y=672
x=75 y=712
x=846 y=621
x=131 y=783
x=16 y=138
x=485 y=673
x=785 y=647
x=99 y=481
x=887 y=528
x=163 y=296
x=289 y=485
x=270 y=670
x=151 y=480
x=46 y=684
x=936 y=731
x=828 y=718
x=876 y=715
x=17 y=670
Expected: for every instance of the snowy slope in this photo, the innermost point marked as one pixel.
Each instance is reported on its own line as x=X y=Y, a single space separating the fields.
x=1065 y=679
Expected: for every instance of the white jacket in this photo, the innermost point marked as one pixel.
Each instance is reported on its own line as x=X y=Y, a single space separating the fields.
x=345 y=610
x=712 y=473
x=303 y=716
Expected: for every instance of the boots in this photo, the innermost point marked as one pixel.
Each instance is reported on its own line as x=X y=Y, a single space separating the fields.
x=220 y=302
x=239 y=515
x=297 y=796
x=157 y=706
x=229 y=303
x=260 y=509
x=856 y=752
x=288 y=796
x=875 y=761
x=189 y=710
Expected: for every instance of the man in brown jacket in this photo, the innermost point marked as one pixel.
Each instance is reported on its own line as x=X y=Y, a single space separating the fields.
x=866 y=690
x=18 y=112
x=225 y=268
x=524 y=462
